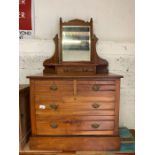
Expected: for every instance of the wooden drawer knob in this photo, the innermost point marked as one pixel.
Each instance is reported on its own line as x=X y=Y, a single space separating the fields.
x=54 y=125
x=54 y=106
x=95 y=87
x=95 y=125
x=95 y=105
x=53 y=87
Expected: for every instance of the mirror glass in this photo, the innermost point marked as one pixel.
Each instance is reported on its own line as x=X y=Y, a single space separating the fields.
x=76 y=43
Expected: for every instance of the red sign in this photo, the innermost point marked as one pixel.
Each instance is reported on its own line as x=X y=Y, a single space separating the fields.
x=25 y=15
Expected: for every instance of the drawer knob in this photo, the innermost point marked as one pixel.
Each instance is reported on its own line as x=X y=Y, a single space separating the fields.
x=95 y=87
x=95 y=125
x=54 y=106
x=54 y=125
x=54 y=87
x=95 y=105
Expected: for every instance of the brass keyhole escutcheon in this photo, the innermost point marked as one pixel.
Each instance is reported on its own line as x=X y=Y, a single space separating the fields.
x=54 y=125
x=54 y=106
x=95 y=87
x=95 y=125
x=53 y=87
x=95 y=105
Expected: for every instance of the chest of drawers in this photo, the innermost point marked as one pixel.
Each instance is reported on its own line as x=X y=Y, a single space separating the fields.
x=74 y=112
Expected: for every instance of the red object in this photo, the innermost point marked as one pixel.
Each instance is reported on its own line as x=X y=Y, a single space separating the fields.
x=25 y=21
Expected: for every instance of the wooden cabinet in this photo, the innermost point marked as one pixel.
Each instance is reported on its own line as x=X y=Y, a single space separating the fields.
x=74 y=107
x=75 y=104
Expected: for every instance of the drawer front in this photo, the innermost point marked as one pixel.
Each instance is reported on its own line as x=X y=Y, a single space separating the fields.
x=73 y=125
x=95 y=88
x=78 y=69
x=57 y=106
x=76 y=112
x=54 y=88
x=105 y=97
x=50 y=82
x=91 y=82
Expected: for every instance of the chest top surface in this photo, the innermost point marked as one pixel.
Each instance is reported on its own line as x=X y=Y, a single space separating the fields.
x=75 y=76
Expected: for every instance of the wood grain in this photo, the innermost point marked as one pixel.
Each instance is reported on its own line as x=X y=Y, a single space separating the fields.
x=44 y=126
x=24 y=115
x=74 y=108
x=117 y=107
x=75 y=143
x=106 y=97
x=32 y=107
x=76 y=112
x=61 y=106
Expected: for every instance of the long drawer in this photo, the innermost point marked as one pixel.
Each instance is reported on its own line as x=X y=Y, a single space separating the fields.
x=76 y=105
x=106 y=96
x=79 y=125
x=76 y=112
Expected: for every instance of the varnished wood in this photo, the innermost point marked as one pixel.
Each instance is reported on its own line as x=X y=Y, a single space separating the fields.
x=27 y=151
x=77 y=112
x=100 y=77
x=55 y=65
x=74 y=99
x=75 y=105
x=46 y=153
x=106 y=97
x=117 y=106
x=32 y=107
x=70 y=118
x=24 y=115
x=74 y=127
x=75 y=143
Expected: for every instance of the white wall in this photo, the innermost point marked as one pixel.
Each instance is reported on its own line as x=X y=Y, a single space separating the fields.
x=113 y=19
x=113 y=25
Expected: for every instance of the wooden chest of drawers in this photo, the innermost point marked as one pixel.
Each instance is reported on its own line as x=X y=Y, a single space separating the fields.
x=83 y=108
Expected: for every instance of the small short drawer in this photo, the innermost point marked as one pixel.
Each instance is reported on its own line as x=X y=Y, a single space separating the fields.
x=54 y=89
x=95 y=88
x=91 y=82
x=78 y=69
x=57 y=82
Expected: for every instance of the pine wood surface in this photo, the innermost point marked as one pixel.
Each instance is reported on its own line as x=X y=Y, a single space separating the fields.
x=74 y=143
x=66 y=105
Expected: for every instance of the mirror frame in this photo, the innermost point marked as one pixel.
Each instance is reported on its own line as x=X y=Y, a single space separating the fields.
x=55 y=65
x=76 y=22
